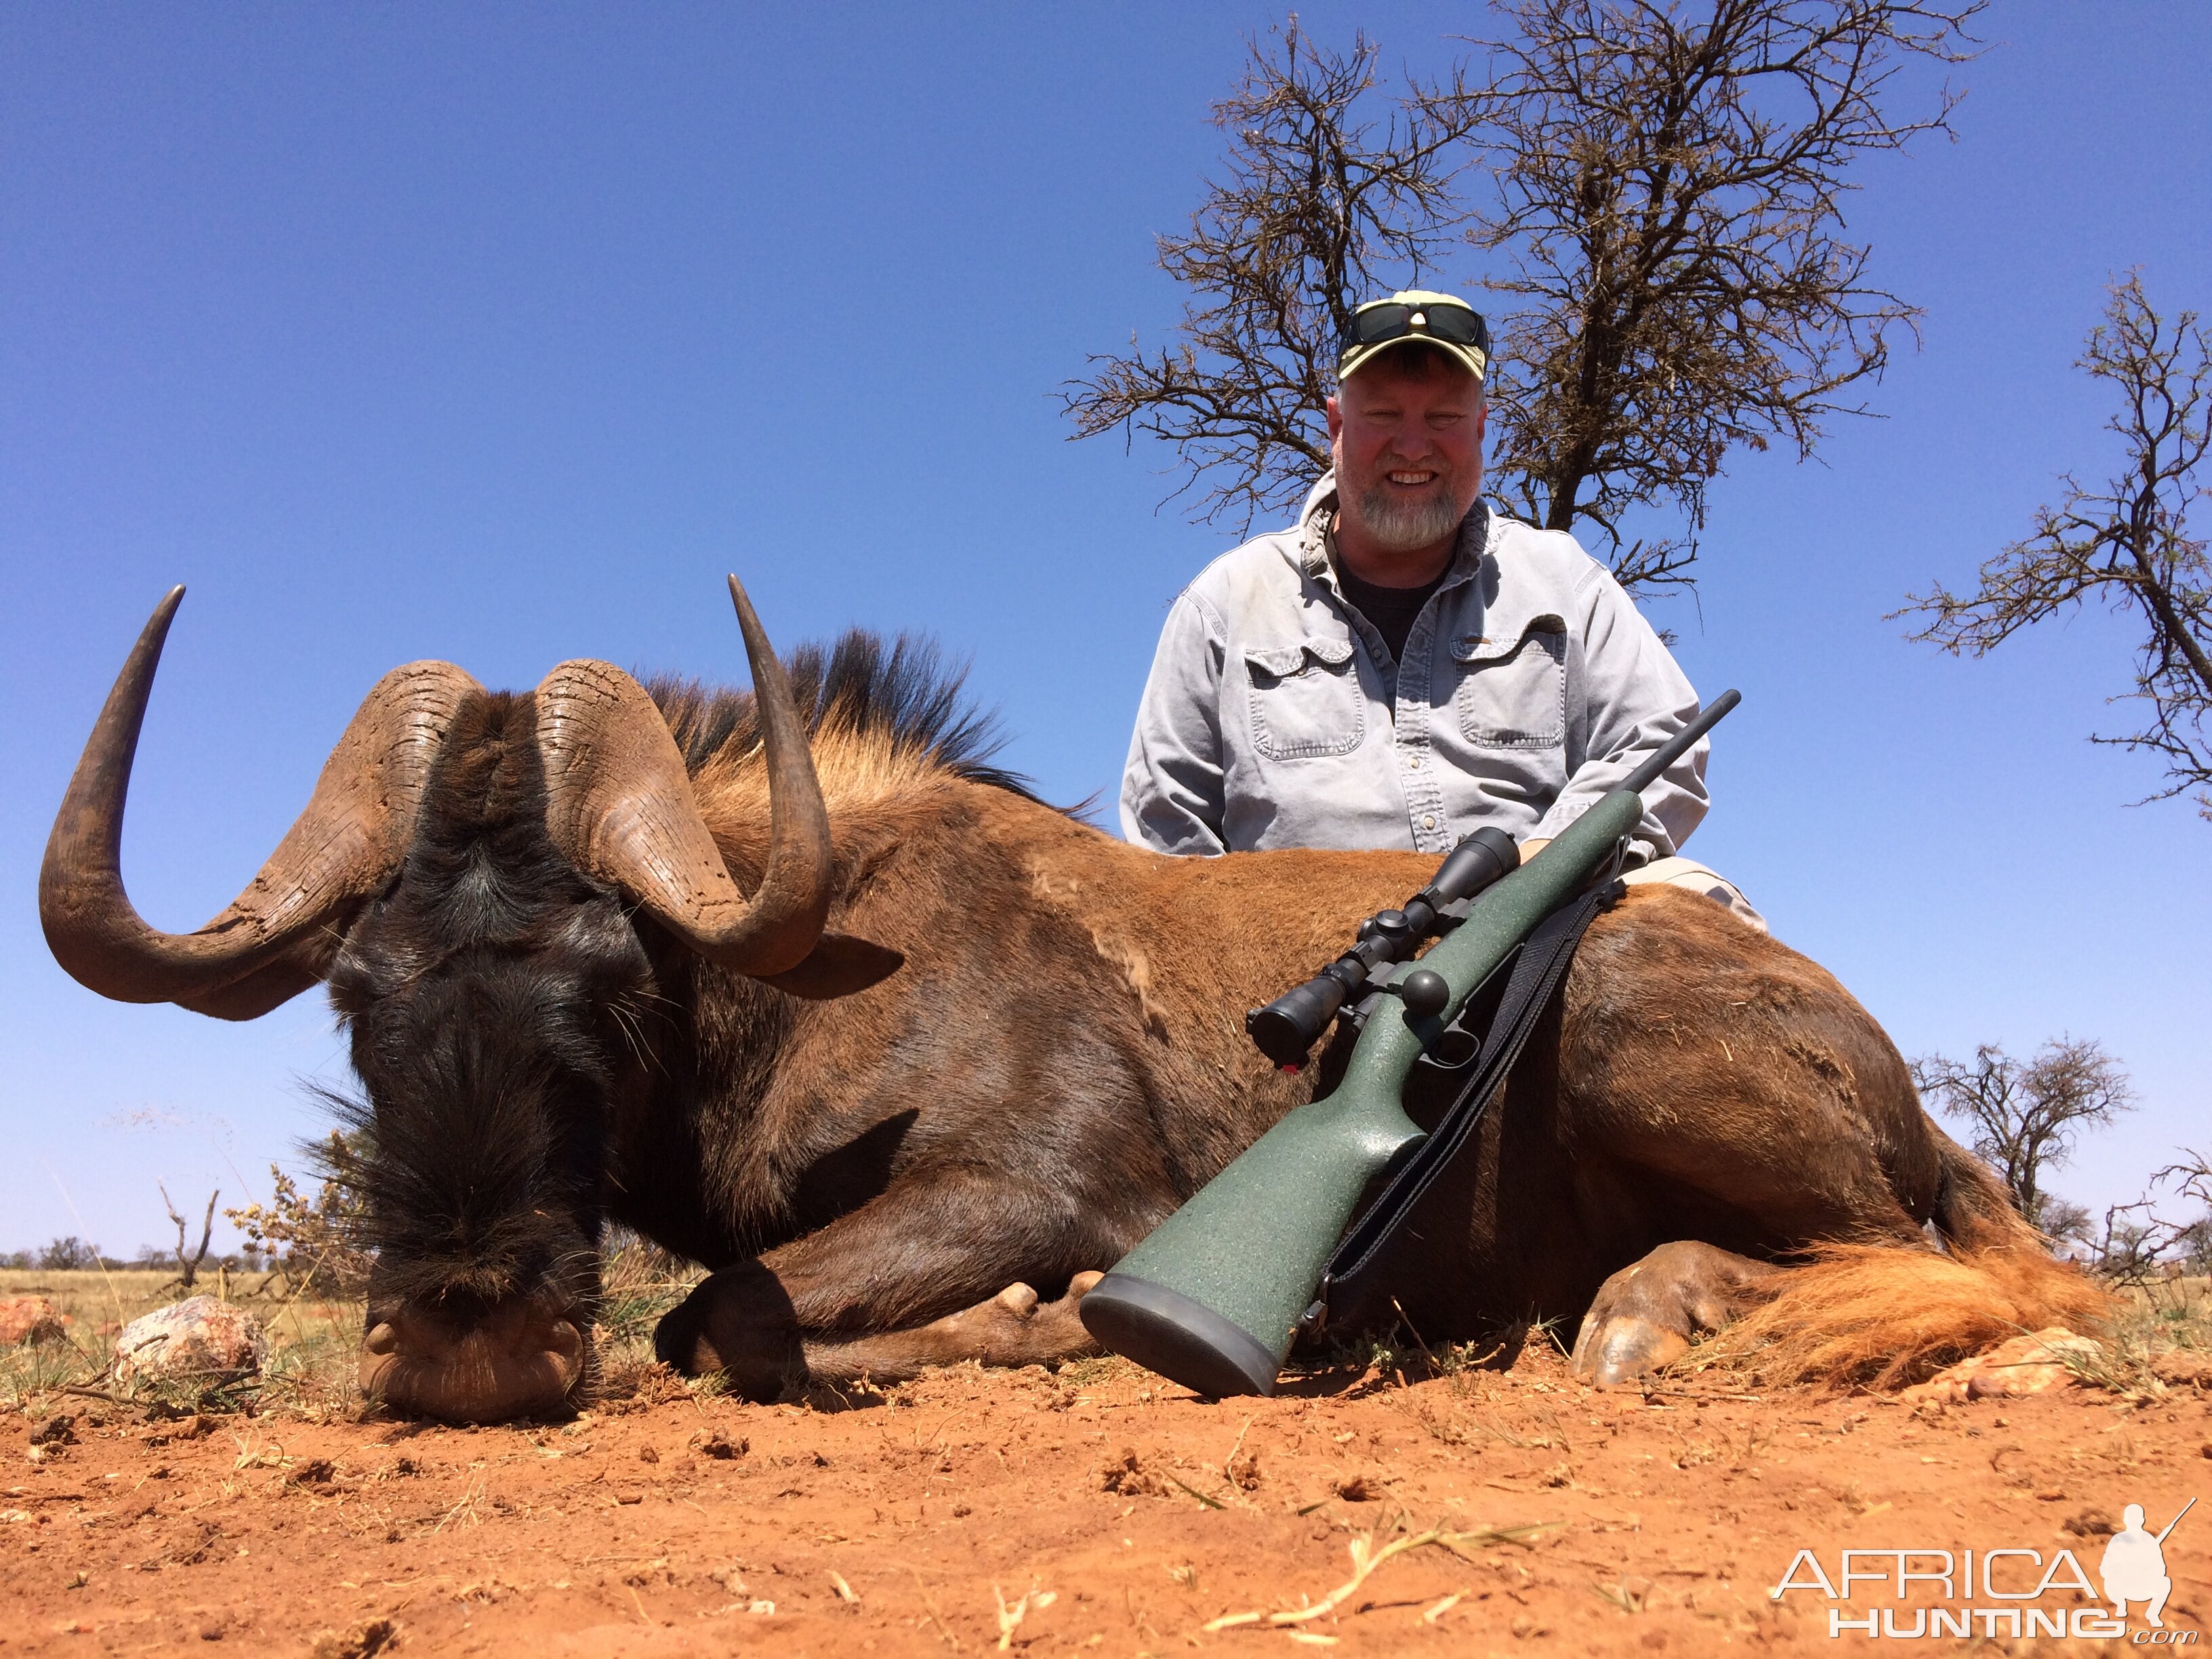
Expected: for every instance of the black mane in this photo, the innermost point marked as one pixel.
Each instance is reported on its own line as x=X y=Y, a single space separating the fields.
x=906 y=694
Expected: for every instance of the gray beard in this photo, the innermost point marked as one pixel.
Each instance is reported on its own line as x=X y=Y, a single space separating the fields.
x=1402 y=526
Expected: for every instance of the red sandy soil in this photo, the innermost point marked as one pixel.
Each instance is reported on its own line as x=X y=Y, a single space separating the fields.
x=901 y=1526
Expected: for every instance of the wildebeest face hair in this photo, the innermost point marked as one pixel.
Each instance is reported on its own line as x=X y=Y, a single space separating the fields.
x=494 y=997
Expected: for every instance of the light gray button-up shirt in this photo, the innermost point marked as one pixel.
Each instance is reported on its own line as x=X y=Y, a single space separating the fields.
x=1530 y=686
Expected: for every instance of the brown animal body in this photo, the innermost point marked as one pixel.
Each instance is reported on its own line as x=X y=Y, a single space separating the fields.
x=892 y=1168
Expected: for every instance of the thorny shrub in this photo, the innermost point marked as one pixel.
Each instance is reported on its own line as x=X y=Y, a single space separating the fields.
x=311 y=1240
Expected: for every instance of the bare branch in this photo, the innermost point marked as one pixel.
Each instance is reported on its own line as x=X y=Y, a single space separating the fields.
x=2126 y=545
x=2024 y=1116
x=1318 y=198
x=1668 y=211
x=188 y=1267
x=1665 y=208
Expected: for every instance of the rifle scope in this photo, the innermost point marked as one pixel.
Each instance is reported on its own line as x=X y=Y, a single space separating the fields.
x=1287 y=1028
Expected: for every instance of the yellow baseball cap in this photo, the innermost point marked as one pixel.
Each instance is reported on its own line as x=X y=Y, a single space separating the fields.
x=1443 y=321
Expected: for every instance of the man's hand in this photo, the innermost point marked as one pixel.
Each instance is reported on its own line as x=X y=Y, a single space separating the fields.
x=1530 y=849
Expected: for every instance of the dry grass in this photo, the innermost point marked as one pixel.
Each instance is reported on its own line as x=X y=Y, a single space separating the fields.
x=2150 y=1321
x=638 y=1283
x=1847 y=1319
x=1368 y=1553
x=313 y=1345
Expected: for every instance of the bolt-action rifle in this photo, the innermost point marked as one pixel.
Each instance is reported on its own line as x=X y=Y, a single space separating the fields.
x=1215 y=1295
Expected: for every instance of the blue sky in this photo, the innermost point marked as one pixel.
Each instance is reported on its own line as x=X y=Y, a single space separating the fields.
x=497 y=333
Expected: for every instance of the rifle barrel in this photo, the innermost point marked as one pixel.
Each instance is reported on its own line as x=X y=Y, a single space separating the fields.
x=2175 y=1521
x=1678 y=745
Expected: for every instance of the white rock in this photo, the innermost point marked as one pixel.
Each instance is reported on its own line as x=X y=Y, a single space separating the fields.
x=199 y=1340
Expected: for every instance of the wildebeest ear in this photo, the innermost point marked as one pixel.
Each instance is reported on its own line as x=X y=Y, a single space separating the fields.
x=839 y=965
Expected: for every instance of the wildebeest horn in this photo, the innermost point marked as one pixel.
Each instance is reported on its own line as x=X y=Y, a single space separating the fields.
x=274 y=939
x=619 y=805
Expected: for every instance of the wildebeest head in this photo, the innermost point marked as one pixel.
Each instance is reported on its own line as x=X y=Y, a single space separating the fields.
x=466 y=878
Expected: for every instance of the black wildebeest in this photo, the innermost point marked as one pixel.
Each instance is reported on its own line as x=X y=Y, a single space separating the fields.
x=797 y=986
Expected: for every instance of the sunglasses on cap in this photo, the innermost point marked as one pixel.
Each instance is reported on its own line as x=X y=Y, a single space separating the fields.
x=1385 y=320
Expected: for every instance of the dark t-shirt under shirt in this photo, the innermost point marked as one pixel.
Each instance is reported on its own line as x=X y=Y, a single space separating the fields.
x=1392 y=609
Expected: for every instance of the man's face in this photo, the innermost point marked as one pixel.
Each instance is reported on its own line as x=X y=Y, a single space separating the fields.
x=1408 y=449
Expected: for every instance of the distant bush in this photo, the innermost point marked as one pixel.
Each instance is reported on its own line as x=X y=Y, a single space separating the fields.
x=69 y=1255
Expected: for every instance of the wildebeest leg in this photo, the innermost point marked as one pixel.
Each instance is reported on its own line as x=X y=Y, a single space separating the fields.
x=1012 y=1328
x=1650 y=1311
x=919 y=1270
x=741 y=1321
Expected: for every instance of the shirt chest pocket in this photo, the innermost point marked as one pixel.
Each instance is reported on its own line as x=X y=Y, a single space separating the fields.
x=1306 y=700
x=1513 y=692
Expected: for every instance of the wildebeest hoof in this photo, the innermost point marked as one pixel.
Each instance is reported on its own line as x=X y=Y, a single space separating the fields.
x=1624 y=1348
x=1016 y=1327
x=739 y=1322
x=1647 y=1315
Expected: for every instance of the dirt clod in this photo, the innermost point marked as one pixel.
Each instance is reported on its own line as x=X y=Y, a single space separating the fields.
x=1125 y=1475
x=712 y=1443
x=362 y=1642
x=59 y=1430
x=657 y=1385
x=2183 y=1368
x=199 y=1341
x=2035 y=1364
x=2092 y=1523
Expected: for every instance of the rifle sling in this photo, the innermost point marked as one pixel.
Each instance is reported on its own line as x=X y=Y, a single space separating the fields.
x=1535 y=970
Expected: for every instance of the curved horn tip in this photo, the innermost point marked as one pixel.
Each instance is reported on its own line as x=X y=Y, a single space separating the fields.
x=749 y=621
x=759 y=652
x=164 y=613
x=742 y=601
